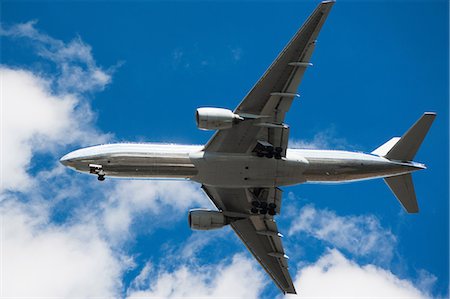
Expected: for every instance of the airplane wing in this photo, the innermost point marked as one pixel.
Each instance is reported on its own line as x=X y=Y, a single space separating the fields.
x=258 y=232
x=265 y=106
x=263 y=111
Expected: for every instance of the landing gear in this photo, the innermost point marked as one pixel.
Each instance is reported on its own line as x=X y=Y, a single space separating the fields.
x=277 y=154
x=98 y=170
x=265 y=149
x=271 y=209
x=263 y=208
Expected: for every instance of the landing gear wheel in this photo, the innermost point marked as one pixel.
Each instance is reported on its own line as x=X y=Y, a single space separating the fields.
x=272 y=205
x=101 y=178
x=278 y=149
x=263 y=211
x=277 y=156
x=260 y=155
x=263 y=205
x=272 y=212
x=254 y=211
x=255 y=204
x=269 y=156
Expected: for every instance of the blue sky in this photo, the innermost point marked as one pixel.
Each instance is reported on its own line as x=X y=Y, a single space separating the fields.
x=80 y=73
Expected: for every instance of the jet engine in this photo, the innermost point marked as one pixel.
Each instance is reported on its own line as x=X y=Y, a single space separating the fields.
x=202 y=219
x=215 y=118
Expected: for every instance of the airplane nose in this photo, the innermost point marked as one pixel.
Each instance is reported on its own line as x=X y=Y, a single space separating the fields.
x=64 y=160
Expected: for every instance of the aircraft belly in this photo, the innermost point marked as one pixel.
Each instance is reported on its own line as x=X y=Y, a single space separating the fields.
x=342 y=170
x=141 y=166
x=231 y=170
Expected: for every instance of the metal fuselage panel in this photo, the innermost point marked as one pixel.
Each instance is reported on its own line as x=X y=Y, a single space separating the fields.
x=146 y=160
x=136 y=160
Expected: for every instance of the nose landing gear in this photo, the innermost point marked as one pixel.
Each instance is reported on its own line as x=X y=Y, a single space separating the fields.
x=98 y=170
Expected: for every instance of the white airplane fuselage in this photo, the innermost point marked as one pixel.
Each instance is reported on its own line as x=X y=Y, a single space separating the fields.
x=148 y=160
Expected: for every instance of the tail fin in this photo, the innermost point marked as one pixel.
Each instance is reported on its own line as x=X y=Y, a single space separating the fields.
x=406 y=147
x=385 y=148
x=403 y=188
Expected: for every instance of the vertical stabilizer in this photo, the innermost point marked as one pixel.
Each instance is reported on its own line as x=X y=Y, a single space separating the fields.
x=406 y=148
x=403 y=188
x=385 y=148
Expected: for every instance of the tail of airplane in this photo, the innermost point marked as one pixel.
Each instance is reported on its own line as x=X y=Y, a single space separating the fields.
x=403 y=149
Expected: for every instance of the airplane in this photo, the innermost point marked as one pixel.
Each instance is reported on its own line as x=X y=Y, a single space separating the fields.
x=247 y=160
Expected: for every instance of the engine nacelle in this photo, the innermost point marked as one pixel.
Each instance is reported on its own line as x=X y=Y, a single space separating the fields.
x=202 y=219
x=215 y=118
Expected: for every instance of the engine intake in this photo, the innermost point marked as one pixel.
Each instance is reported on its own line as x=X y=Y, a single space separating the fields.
x=215 y=118
x=202 y=219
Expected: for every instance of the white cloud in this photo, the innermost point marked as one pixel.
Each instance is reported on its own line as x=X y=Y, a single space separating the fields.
x=334 y=276
x=141 y=281
x=236 y=53
x=359 y=235
x=326 y=139
x=425 y=281
x=34 y=120
x=83 y=255
x=77 y=71
x=41 y=112
x=40 y=259
x=197 y=241
x=129 y=199
x=240 y=279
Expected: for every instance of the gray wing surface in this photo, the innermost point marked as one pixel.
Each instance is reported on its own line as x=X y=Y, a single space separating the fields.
x=268 y=101
x=263 y=111
x=258 y=232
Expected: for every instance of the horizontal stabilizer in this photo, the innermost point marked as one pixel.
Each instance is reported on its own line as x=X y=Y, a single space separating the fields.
x=403 y=188
x=406 y=148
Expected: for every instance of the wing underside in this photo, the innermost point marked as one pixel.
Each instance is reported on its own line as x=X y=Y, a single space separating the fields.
x=262 y=239
x=258 y=232
x=265 y=106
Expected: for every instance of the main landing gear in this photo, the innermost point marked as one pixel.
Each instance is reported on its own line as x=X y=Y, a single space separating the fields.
x=98 y=170
x=263 y=208
x=265 y=149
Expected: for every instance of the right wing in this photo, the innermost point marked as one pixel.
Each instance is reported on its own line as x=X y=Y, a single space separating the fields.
x=266 y=104
x=258 y=232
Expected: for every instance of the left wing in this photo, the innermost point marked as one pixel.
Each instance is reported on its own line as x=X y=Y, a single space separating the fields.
x=259 y=232
x=265 y=106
